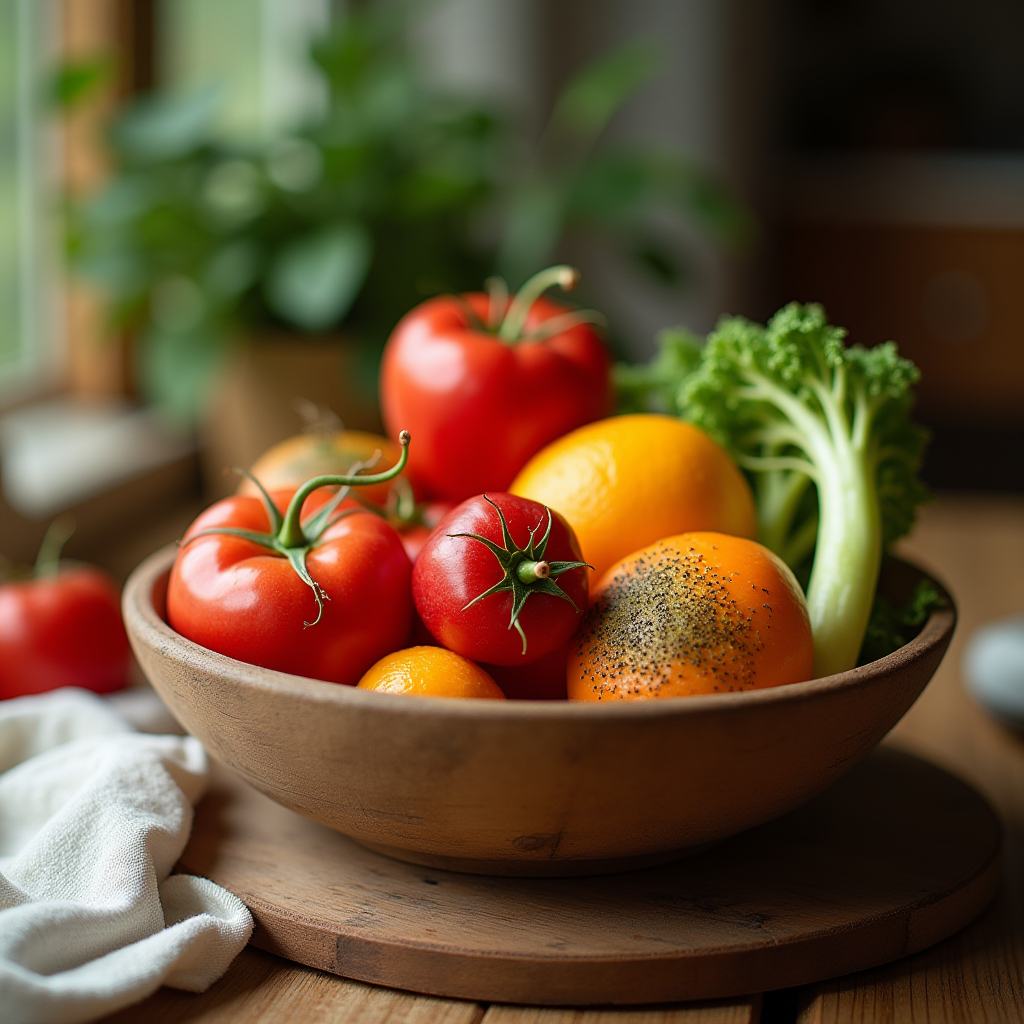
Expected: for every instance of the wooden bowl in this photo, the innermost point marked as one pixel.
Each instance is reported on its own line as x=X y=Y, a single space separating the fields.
x=523 y=787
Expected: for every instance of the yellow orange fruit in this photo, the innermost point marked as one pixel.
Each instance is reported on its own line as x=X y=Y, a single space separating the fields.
x=625 y=482
x=292 y=462
x=693 y=614
x=432 y=672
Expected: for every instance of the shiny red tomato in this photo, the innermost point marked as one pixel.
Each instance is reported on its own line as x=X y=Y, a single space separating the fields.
x=484 y=383
x=501 y=580
x=295 y=581
x=62 y=629
x=234 y=596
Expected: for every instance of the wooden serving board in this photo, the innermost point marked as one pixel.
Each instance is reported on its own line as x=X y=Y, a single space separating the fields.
x=893 y=858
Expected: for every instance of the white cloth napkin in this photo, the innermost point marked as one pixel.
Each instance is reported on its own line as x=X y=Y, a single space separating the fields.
x=93 y=817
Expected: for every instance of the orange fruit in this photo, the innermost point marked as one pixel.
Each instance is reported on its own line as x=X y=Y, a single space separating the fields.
x=692 y=614
x=291 y=463
x=432 y=672
x=625 y=482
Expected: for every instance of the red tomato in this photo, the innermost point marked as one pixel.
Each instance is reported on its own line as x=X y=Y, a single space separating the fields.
x=543 y=680
x=414 y=534
x=235 y=596
x=62 y=630
x=501 y=580
x=479 y=405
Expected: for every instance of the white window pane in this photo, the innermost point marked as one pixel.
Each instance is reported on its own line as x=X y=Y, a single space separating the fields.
x=26 y=195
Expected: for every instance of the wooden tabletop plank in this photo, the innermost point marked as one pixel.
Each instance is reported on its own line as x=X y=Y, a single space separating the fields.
x=264 y=989
x=977 y=548
x=741 y=1011
x=260 y=988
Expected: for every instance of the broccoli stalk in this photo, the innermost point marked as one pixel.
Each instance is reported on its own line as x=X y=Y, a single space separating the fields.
x=797 y=407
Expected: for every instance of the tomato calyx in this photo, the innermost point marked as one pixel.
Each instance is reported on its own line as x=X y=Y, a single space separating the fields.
x=293 y=537
x=525 y=570
x=507 y=315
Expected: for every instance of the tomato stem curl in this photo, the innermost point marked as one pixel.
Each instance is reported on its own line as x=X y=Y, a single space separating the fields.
x=291 y=534
x=564 y=276
x=292 y=538
x=57 y=535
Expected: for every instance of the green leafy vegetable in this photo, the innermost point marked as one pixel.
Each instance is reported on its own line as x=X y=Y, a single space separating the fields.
x=796 y=407
x=655 y=386
x=891 y=626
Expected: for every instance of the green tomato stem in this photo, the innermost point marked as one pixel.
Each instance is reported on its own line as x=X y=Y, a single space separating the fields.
x=564 y=276
x=530 y=572
x=57 y=535
x=566 y=322
x=497 y=301
x=291 y=534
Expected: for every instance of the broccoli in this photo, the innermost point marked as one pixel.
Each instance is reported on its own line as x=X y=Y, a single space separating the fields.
x=796 y=407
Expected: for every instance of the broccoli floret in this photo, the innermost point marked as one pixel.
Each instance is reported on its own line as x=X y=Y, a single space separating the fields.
x=796 y=407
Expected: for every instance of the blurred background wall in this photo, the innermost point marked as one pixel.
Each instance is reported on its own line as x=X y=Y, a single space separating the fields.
x=866 y=155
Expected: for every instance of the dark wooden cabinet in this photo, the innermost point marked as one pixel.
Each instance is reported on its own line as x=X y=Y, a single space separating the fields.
x=951 y=297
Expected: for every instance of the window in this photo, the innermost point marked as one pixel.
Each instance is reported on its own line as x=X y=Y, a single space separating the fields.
x=27 y=199
x=267 y=79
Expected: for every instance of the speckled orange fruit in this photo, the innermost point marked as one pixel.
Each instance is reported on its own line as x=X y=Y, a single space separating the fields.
x=625 y=482
x=692 y=614
x=430 y=672
x=291 y=463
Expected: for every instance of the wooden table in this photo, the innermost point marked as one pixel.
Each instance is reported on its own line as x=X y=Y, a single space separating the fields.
x=976 y=546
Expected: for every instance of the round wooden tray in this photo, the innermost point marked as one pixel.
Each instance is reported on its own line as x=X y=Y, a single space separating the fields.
x=894 y=857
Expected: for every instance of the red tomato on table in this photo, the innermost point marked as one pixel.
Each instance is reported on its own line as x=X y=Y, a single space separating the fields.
x=501 y=580
x=481 y=402
x=62 y=629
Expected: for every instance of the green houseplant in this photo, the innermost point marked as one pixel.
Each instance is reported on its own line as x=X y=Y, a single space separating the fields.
x=396 y=192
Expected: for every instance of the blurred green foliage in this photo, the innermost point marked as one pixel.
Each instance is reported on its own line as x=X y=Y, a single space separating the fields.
x=398 y=192
x=76 y=80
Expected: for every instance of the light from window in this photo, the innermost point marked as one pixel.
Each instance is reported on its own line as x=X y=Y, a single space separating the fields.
x=26 y=340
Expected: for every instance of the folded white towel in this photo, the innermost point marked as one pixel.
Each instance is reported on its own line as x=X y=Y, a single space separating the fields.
x=93 y=817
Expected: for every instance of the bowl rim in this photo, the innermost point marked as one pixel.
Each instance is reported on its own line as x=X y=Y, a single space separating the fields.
x=146 y=626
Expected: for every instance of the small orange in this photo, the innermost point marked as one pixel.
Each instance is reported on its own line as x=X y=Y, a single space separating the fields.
x=432 y=672
x=692 y=614
x=291 y=463
x=624 y=482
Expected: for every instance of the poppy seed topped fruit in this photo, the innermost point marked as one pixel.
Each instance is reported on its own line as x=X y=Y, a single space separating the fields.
x=694 y=614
